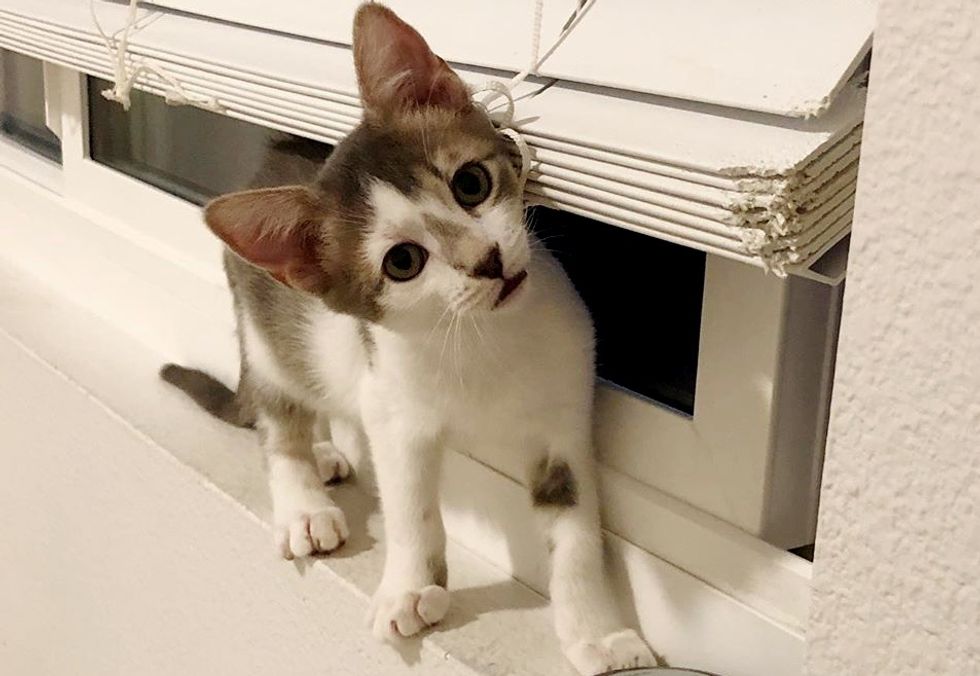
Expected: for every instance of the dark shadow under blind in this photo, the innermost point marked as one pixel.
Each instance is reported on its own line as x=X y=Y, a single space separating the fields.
x=645 y=296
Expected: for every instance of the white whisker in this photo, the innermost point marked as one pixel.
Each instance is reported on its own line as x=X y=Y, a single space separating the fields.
x=456 y=352
x=491 y=358
x=445 y=339
x=435 y=327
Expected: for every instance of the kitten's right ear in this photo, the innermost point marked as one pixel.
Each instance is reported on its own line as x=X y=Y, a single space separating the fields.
x=276 y=229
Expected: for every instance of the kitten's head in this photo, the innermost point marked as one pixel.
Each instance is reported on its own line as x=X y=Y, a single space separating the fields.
x=415 y=214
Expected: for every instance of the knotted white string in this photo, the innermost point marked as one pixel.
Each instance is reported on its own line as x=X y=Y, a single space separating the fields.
x=125 y=77
x=502 y=114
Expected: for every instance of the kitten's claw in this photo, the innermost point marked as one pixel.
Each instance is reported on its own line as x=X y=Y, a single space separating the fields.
x=403 y=614
x=331 y=464
x=620 y=650
x=311 y=533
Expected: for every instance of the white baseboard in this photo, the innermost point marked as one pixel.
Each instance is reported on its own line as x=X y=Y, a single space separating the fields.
x=716 y=598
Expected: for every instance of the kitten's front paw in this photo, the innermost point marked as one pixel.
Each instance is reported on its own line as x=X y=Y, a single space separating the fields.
x=308 y=533
x=330 y=462
x=620 y=650
x=401 y=614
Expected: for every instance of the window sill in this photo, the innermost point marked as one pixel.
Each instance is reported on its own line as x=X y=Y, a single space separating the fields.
x=119 y=375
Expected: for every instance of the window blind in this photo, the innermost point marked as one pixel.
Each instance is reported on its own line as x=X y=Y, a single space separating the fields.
x=770 y=190
x=788 y=57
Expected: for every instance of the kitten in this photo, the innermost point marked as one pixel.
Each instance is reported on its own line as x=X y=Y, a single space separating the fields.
x=346 y=292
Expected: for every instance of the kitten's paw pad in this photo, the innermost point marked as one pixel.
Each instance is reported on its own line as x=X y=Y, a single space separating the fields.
x=312 y=533
x=619 y=650
x=331 y=464
x=405 y=614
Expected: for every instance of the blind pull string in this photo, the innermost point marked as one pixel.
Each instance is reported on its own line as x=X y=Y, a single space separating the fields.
x=502 y=114
x=125 y=77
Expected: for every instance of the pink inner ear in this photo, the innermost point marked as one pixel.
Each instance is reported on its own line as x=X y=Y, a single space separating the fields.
x=271 y=229
x=397 y=70
x=265 y=250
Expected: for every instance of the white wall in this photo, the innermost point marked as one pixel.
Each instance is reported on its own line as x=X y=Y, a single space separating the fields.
x=898 y=548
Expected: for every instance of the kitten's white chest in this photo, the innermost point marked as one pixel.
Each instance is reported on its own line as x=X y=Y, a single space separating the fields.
x=339 y=358
x=501 y=384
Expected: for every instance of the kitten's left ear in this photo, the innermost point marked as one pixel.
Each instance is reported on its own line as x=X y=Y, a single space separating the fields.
x=396 y=70
x=277 y=229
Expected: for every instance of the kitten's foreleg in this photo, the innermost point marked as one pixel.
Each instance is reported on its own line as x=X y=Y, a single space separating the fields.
x=412 y=594
x=306 y=521
x=587 y=620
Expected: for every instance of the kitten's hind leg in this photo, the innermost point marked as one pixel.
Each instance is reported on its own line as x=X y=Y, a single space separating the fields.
x=587 y=621
x=346 y=453
x=306 y=521
x=331 y=463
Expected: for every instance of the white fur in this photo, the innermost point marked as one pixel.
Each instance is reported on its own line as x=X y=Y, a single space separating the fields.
x=446 y=369
x=305 y=519
x=331 y=464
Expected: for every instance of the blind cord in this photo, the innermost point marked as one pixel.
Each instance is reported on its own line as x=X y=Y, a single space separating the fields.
x=126 y=75
x=502 y=112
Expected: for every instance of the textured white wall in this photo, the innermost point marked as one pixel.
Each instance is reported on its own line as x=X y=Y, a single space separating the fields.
x=898 y=544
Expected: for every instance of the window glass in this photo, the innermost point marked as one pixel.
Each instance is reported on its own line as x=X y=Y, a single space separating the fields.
x=189 y=152
x=22 y=104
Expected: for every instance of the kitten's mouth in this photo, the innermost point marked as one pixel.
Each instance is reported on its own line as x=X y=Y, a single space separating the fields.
x=511 y=285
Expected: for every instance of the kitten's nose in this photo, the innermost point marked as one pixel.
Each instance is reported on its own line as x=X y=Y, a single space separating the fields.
x=491 y=266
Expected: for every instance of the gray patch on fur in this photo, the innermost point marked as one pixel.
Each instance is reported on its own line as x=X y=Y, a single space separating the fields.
x=367 y=340
x=444 y=231
x=278 y=313
x=292 y=420
x=372 y=152
x=289 y=160
x=553 y=484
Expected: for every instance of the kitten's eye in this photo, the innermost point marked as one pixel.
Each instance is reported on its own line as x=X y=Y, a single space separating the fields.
x=404 y=261
x=471 y=185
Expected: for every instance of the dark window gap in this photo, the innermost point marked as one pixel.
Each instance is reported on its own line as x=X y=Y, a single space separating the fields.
x=645 y=296
x=192 y=153
x=22 y=109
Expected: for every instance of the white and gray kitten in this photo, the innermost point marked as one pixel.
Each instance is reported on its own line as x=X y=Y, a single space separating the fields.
x=344 y=289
